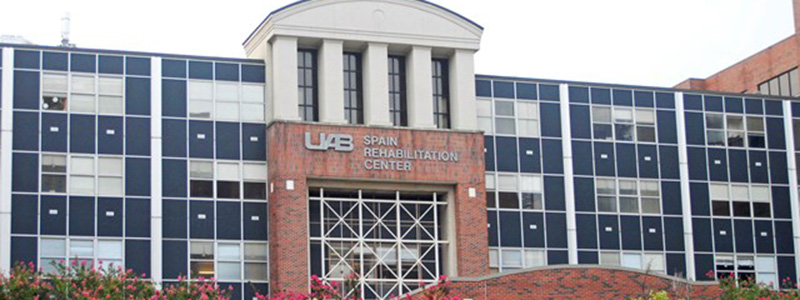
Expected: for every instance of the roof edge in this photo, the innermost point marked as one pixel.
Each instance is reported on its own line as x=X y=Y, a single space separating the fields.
x=133 y=53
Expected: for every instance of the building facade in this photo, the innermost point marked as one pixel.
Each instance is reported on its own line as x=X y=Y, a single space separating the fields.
x=356 y=139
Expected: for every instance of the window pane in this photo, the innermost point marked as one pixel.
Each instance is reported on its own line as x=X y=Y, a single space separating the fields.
x=529 y=128
x=784 y=85
x=110 y=86
x=227 y=110
x=110 y=104
x=646 y=134
x=485 y=124
x=534 y=258
x=81 y=185
x=651 y=206
x=228 y=189
x=55 y=102
x=54 y=83
x=228 y=252
x=109 y=249
x=755 y=124
x=83 y=103
x=719 y=192
x=716 y=138
x=512 y=258
x=630 y=260
x=256 y=271
x=54 y=183
x=627 y=187
x=201 y=169
x=81 y=248
x=202 y=188
x=645 y=116
x=253 y=93
x=490 y=185
x=54 y=163
x=110 y=186
x=82 y=165
x=110 y=166
x=493 y=258
x=628 y=205
x=736 y=138
x=714 y=121
x=765 y=264
x=762 y=210
x=200 y=90
x=200 y=109
x=252 y=112
x=528 y=110
x=507 y=182
x=623 y=115
x=735 y=123
x=654 y=262
x=532 y=201
x=609 y=259
x=606 y=186
x=53 y=248
x=603 y=132
x=255 y=252
x=623 y=132
x=83 y=84
x=794 y=82
x=255 y=172
x=606 y=204
x=601 y=114
x=508 y=200
x=255 y=190
x=202 y=250
x=504 y=108
x=202 y=269
x=649 y=188
x=741 y=209
x=530 y=183
x=228 y=171
x=760 y=193
x=484 y=108
x=740 y=192
x=721 y=208
x=505 y=126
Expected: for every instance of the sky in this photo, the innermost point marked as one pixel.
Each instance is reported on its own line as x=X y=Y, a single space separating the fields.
x=639 y=42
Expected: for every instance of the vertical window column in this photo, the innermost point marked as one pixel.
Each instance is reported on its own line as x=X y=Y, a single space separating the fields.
x=353 y=95
x=398 y=108
x=6 y=98
x=307 y=94
x=441 y=93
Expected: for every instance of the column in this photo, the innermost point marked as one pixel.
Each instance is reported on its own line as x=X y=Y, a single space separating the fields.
x=156 y=215
x=6 y=134
x=376 y=85
x=331 y=82
x=463 y=109
x=284 y=79
x=569 y=179
x=793 y=185
x=686 y=201
x=419 y=88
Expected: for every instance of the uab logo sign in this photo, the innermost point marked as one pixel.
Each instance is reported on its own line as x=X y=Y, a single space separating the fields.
x=337 y=142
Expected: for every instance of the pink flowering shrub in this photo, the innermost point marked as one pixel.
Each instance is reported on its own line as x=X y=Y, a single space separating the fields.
x=734 y=289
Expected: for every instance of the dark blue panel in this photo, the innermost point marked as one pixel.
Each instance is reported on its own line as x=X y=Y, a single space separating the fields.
x=775 y=134
x=109 y=217
x=529 y=156
x=669 y=162
x=137 y=217
x=109 y=135
x=604 y=159
x=744 y=236
x=137 y=66
x=723 y=235
x=507 y=154
x=24 y=214
x=137 y=176
x=734 y=105
x=582 y=153
x=652 y=233
x=175 y=219
x=667 y=130
x=552 y=157
x=110 y=64
x=81 y=216
x=173 y=68
x=698 y=193
x=137 y=257
x=588 y=258
x=765 y=239
x=137 y=137
x=137 y=96
x=201 y=139
x=787 y=269
x=673 y=234
x=579 y=118
x=623 y=97
x=692 y=102
x=578 y=94
x=526 y=91
x=671 y=198
x=26 y=90
x=695 y=129
x=780 y=203
x=549 y=92
x=777 y=167
x=608 y=226
x=488 y=147
x=53 y=215
x=227 y=140
x=554 y=193
x=796 y=109
x=601 y=96
x=753 y=106
x=783 y=237
x=758 y=167
x=174 y=138
x=557 y=258
x=503 y=89
x=510 y=229
x=713 y=103
x=26 y=59
x=584 y=194
x=533 y=229
x=644 y=99
x=494 y=238
x=175 y=257
x=201 y=220
x=665 y=100
x=626 y=160
x=83 y=63
x=255 y=221
x=229 y=72
x=24 y=250
x=25 y=172
x=56 y=61
x=648 y=161
x=676 y=265
x=234 y=290
x=483 y=88
x=773 y=107
x=630 y=228
x=738 y=165
x=251 y=289
x=718 y=164
x=254 y=145
x=703 y=263
x=702 y=235
x=173 y=98
x=587 y=235
x=253 y=73
x=556 y=230
x=229 y=215
x=174 y=178
x=551 y=120
x=82 y=133
x=697 y=164
x=26 y=131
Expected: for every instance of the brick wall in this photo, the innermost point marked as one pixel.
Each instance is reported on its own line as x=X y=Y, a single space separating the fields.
x=796 y=4
x=574 y=282
x=290 y=160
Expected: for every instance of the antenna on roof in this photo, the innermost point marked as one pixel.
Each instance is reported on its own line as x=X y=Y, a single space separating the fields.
x=65 y=31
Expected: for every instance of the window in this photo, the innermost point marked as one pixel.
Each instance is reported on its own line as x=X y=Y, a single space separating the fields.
x=606 y=195
x=110 y=252
x=646 y=125
x=252 y=102
x=255 y=181
x=511 y=259
x=228 y=179
x=353 y=91
x=201 y=259
x=441 y=93
x=786 y=84
x=766 y=271
x=201 y=95
x=601 y=123
x=56 y=250
x=720 y=200
x=201 y=179
x=111 y=95
x=81 y=180
x=229 y=262
x=650 y=195
x=255 y=265
x=53 y=251
x=609 y=259
x=741 y=201
x=398 y=110
x=632 y=260
x=485 y=116
x=535 y=258
x=628 y=196
x=654 y=263
x=110 y=170
x=504 y=117
x=54 y=173
x=623 y=124
x=494 y=260
x=531 y=187
x=755 y=132
x=743 y=267
x=54 y=92
x=227 y=101
x=528 y=122
x=507 y=196
x=83 y=94
x=715 y=129
x=307 y=85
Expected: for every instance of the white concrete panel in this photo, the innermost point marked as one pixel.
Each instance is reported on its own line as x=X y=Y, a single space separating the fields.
x=683 y=167
x=284 y=79
x=376 y=85
x=156 y=214
x=6 y=135
x=463 y=108
x=419 y=88
x=331 y=85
